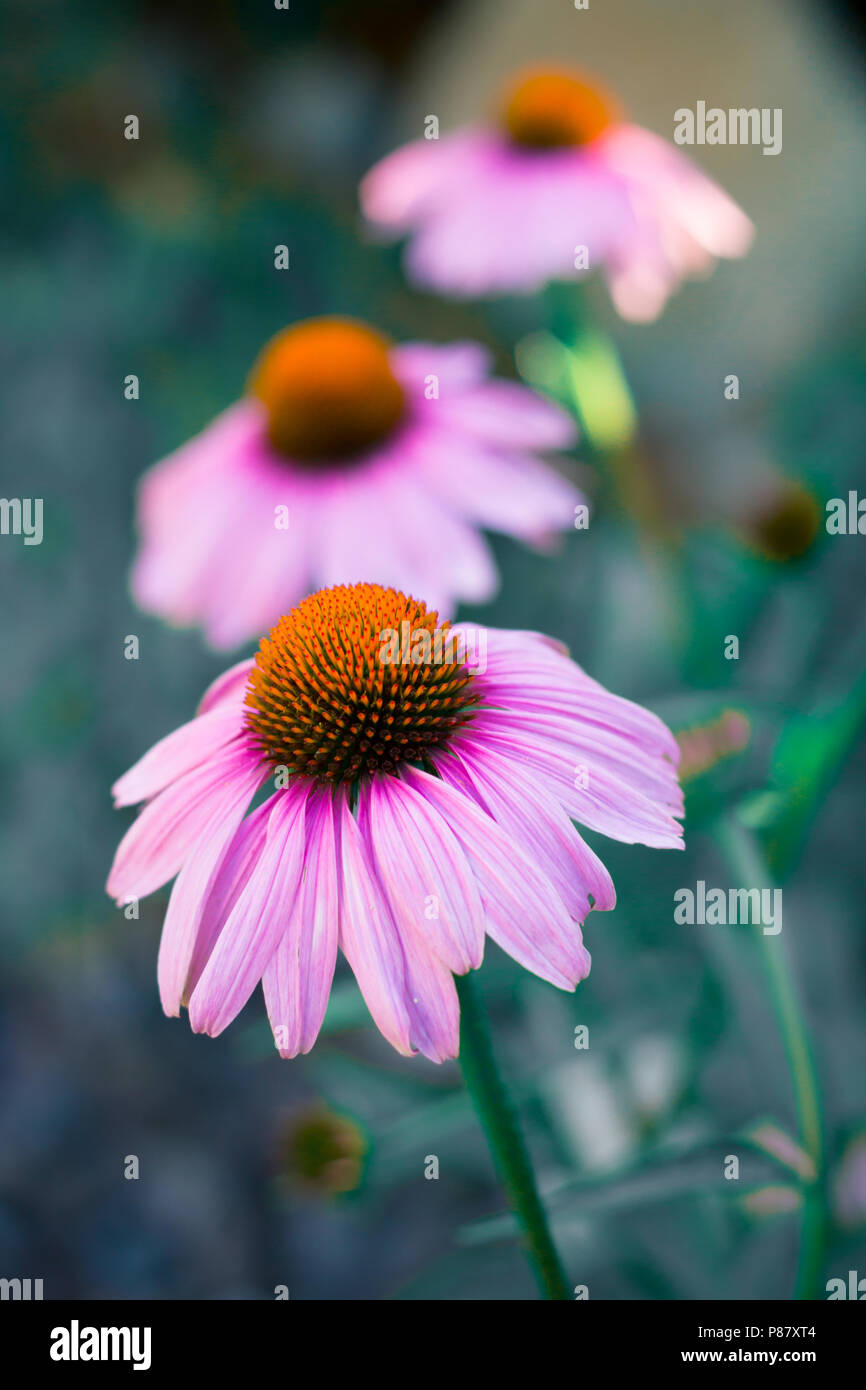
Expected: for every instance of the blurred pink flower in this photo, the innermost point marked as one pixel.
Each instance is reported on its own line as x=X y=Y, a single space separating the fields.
x=509 y=206
x=348 y=459
x=418 y=806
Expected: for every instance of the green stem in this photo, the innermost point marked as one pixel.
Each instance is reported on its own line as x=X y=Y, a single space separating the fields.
x=509 y=1152
x=748 y=862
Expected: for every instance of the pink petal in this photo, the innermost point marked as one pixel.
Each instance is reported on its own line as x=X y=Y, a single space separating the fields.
x=607 y=803
x=539 y=822
x=396 y=534
x=508 y=221
x=402 y=184
x=457 y=367
x=681 y=189
x=514 y=493
x=189 y=901
x=233 y=874
x=525 y=914
x=256 y=923
x=408 y=989
x=297 y=980
x=436 y=868
x=182 y=750
x=580 y=743
x=265 y=570
x=508 y=415
x=158 y=842
x=229 y=688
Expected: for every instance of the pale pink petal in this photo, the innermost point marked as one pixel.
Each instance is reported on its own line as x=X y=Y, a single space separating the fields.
x=396 y=535
x=406 y=181
x=186 y=504
x=266 y=567
x=581 y=743
x=513 y=493
x=166 y=490
x=527 y=673
x=515 y=220
x=211 y=549
x=486 y=217
x=439 y=555
x=230 y=687
x=177 y=753
x=505 y=414
x=158 y=842
x=679 y=188
x=456 y=367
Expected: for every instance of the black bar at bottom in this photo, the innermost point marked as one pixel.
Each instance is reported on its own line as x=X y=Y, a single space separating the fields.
x=256 y=1339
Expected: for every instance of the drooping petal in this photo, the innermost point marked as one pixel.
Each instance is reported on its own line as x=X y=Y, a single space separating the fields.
x=409 y=991
x=400 y=186
x=679 y=188
x=395 y=534
x=503 y=491
x=533 y=675
x=583 y=743
x=233 y=873
x=510 y=220
x=424 y=874
x=484 y=216
x=456 y=367
x=186 y=504
x=525 y=914
x=433 y=548
x=517 y=803
x=159 y=841
x=269 y=566
x=189 y=901
x=187 y=747
x=257 y=921
x=507 y=415
x=297 y=980
x=594 y=796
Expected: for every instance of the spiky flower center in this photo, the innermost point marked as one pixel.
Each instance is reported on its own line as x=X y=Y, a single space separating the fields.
x=547 y=109
x=328 y=389
x=357 y=679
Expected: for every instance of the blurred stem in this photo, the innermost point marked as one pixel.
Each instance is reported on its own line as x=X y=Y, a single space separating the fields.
x=591 y=379
x=499 y=1122
x=571 y=321
x=748 y=862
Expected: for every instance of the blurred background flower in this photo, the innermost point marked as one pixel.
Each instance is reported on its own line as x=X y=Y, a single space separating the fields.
x=349 y=460
x=320 y=1151
x=557 y=185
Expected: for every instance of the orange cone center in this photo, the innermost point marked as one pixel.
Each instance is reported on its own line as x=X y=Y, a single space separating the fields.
x=329 y=390
x=357 y=679
x=547 y=109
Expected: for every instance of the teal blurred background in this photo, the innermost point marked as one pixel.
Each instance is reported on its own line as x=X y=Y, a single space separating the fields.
x=156 y=258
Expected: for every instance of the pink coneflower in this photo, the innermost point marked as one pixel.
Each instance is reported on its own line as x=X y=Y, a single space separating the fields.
x=348 y=459
x=416 y=805
x=558 y=185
